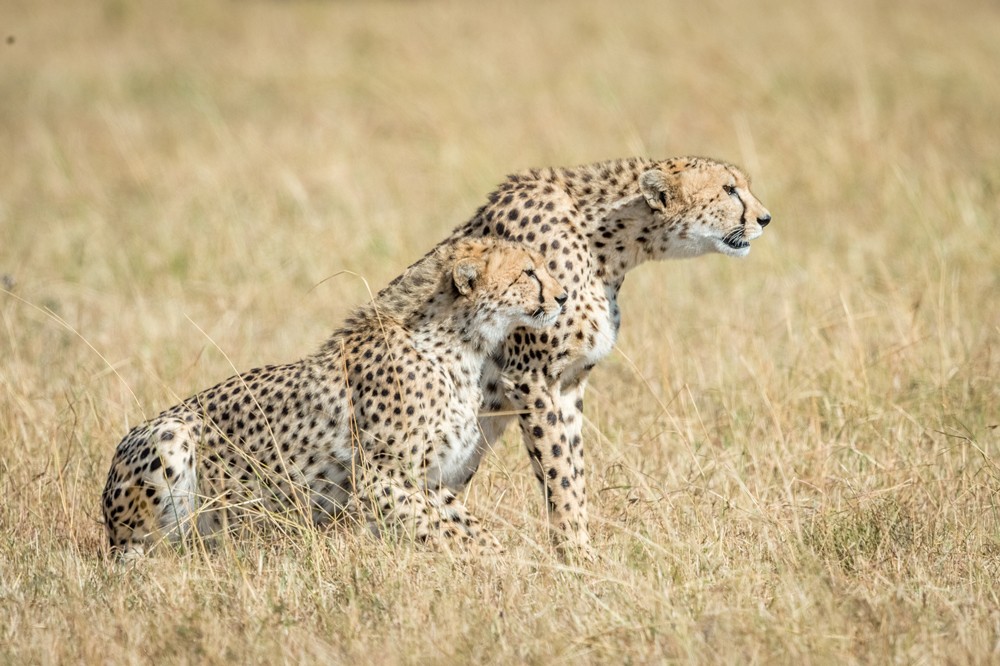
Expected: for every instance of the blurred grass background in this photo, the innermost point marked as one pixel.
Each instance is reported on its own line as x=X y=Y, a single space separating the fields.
x=791 y=457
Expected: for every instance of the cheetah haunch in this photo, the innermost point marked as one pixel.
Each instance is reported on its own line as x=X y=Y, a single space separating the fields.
x=594 y=223
x=380 y=424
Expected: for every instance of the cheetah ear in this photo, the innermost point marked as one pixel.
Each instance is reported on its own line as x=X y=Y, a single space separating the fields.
x=655 y=189
x=465 y=274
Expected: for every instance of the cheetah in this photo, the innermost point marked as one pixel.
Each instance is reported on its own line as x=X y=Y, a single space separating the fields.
x=593 y=224
x=379 y=426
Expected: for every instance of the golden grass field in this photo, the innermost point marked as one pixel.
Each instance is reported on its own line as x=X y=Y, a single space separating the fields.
x=792 y=458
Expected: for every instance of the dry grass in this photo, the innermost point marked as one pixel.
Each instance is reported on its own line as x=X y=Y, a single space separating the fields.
x=791 y=458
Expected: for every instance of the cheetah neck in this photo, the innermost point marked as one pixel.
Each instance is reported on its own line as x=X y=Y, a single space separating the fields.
x=421 y=305
x=613 y=216
x=445 y=328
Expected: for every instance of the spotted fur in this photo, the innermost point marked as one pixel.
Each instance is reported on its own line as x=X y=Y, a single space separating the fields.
x=593 y=224
x=379 y=425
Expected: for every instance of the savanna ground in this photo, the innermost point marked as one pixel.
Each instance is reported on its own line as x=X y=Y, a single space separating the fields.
x=791 y=457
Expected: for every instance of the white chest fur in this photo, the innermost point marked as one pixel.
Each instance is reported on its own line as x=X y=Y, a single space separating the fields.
x=597 y=318
x=606 y=322
x=457 y=452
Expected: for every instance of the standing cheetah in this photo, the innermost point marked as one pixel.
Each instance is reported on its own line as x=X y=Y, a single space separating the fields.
x=594 y=223
x=380 y=424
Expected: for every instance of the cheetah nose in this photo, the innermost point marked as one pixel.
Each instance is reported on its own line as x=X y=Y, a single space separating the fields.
x=562 y=298
x=764 y=219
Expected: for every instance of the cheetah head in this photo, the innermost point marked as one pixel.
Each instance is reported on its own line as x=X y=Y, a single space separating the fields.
x=701 y=206
x=508 y=285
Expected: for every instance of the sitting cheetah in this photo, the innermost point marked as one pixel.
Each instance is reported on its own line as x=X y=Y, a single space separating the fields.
x=380 y=424
x=593 y=224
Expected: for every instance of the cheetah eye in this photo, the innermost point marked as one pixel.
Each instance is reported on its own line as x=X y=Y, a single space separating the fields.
x=530 y=272
x=730 y=190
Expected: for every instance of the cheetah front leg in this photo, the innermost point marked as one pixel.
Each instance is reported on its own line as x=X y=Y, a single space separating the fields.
x=433 y=516
x=551 y=426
